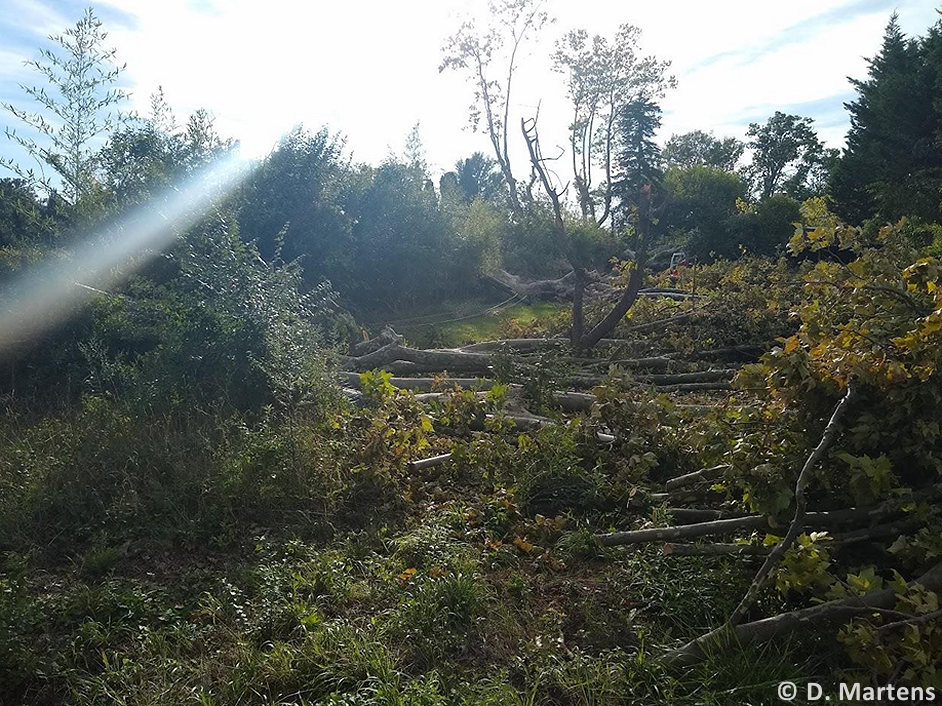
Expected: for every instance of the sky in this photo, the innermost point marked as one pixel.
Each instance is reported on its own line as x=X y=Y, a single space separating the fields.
x=368 y=69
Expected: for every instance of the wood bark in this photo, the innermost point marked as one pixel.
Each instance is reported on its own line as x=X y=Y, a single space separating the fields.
x=696 y=477
x=715 y=549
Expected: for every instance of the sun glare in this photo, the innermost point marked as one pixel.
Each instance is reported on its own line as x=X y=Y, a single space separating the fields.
x=47 y=293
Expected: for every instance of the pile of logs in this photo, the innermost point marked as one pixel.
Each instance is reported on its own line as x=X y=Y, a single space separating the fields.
x=703 y=523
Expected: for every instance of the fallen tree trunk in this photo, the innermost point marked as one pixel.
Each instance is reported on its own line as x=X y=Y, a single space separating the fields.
x=385 y=337
x=686 y=378
x=516 y=344
x=696 y=476
x=824 y=519
x=715 y=549
x=694 y=387
x=575 y=401
x=543 y=289
x=523 y=345
x=656 y=362
x=422 y=360
x=691 y=515
x=698 y=529
x=787 y=623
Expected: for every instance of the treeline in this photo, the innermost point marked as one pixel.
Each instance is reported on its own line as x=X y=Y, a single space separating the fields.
x=375 y=239
x=388 y=236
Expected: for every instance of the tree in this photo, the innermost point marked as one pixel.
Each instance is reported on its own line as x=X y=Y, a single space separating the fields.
x=574 y=243
x=701 y=204
x=24 y=218
x=489 y=57
x=602 y=77
x=639 y=156
x=477 y=177
x=785 y=153
x=700 y=148
x=76 y=108
x=293 y=203
x=893 y=162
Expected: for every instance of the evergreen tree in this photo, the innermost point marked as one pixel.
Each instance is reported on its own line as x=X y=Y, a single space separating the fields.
x=892 y=165
x=639 y=156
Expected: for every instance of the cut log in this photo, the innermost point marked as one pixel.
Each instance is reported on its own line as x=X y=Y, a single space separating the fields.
x=696 y=477
x=690 y=515
x=575 y=401
x=698 y=529
x=818 y=520
x=686 y=378
x=715 y=549
x=653 y=362
x=424 y=463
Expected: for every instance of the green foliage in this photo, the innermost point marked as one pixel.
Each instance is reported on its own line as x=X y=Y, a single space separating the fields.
x=25 y=220
x=908 y=651
x=292 y=206
x=75 y=108
x=701 y=205
x=788 y=157
x=540 y=378
x=805 y=566
x=439 y=616
x=891 y=167
x=698 y=148
x=639 y=157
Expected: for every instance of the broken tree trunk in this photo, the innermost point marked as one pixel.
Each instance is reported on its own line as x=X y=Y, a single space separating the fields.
x=385 y=337
x=541 y=289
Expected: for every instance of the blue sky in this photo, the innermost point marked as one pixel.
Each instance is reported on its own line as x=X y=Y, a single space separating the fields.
x=368 y=68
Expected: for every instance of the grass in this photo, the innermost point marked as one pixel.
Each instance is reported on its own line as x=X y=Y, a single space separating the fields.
x=480 y=327
x=298 y=561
